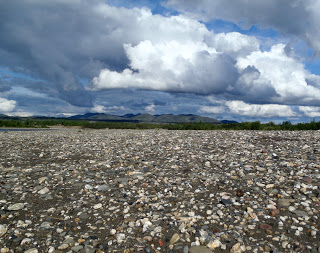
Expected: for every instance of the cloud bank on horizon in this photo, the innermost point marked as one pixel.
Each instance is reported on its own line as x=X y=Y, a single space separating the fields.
x=68 y=57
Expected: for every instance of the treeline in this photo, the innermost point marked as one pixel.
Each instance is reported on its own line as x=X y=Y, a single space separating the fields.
x=256 y=125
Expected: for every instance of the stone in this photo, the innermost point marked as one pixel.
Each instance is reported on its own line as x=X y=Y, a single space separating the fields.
x=236 y=248
x=33 y=250
x=274 y=212
x=43 y=191
x=199 y=249
x=103 y=188
x=16 y=207
x=174 y=239
x=226 y=202
x=77 y=248
x=284 y=202
x=265 y=227
x=240 y=193
x=89 y=249
x=3 y=230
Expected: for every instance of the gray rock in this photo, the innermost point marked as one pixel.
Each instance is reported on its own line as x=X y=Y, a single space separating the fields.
x=16 y=207
x=89 y=249
x=284 y=202
x=77 y=248
x=200 y=249
x=103 y=188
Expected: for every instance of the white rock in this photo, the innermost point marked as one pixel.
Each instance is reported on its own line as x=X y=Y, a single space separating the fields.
x=3 y=230
x=174 y=239
x=97 y=206
x=43 y=191
x=16 y=207
x=33 y=250
x=25 y=241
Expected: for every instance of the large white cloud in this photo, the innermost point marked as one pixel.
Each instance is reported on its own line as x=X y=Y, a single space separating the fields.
x=291 y=17
x=172 y=66
x=256 y=110
x=310 y=111
x=284 y=73
x=7 y=105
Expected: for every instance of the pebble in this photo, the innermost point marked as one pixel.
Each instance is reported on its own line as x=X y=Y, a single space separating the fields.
x=3 y=230
x=43 y=191
x=33 y=250
x=174 y=239
x=199 y=249
x=16 y=207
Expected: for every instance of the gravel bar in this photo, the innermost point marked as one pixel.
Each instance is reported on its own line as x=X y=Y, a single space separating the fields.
x=128 y=191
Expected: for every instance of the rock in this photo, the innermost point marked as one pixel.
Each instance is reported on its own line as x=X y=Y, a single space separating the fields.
x=63 y=246
x=3 y=230
x=236 y=248
x=274 y=212
x=16 y=207
x=103 y=188
x=174 y=239
x=43 y=191
x=42 y=179
x=97 y=206
x=226 y=202
x=284 y=202
x=214 y=244
x=307 y=179
x=77 y=248
x=199 y=249
x=33 y=250
x=265 y=227
x=89 y=249
x=240 y=193
x=300 y=213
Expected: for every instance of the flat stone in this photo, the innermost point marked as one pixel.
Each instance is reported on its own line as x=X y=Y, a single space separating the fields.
x=3 y=230
x=77 y=248
x=284 y=202
x=200 y=249
x=226 y=202
x=16 y=207
x=300 y=213
x=174 y=239
x=103 y=188
x=43 y=191
x=265 y=227
x=33 y=250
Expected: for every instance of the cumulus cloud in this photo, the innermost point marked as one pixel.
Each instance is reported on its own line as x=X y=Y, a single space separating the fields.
x=172 y=66
x=256 y=110
x=150 y=108
x=282 y=73
x=212 y=109
x=107 y=109
x=301 y=17
x=7 y=105
x=310 y=111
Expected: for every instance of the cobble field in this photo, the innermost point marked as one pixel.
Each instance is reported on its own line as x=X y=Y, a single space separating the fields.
x=127 y=191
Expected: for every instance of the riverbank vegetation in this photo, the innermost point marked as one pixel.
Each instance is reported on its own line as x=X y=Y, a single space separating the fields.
x=256 y=125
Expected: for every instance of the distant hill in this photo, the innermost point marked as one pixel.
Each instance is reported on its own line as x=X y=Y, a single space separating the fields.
x=229 y=122
x=164 y=118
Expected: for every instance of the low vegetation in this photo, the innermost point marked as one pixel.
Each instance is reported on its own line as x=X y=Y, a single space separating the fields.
x=256 y=125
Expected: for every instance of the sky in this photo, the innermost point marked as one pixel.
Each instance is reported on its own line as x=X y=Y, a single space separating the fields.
x=242 y=60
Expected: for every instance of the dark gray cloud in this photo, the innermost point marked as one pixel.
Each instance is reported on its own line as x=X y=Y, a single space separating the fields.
x=60 y=42
x=291 y=17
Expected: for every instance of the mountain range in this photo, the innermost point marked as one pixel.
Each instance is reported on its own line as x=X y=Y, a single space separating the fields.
x=135 y=118
x=147 y=118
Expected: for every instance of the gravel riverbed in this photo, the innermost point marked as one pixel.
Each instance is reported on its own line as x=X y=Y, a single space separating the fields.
x=128 y=191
